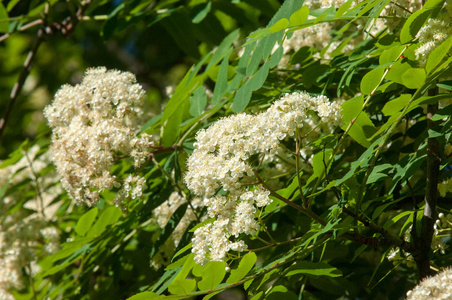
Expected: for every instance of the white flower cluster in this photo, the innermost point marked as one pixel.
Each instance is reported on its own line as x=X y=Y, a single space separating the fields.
x=432 y=34
x=438 y=287
x=221 y=160
x=162 y=215
x=22 y=234
x=93 y=123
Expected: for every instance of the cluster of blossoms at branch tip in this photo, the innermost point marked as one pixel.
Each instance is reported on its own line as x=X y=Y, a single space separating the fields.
x=432 y=34
x=93 y=124
x=438 y=287
x=223 y=160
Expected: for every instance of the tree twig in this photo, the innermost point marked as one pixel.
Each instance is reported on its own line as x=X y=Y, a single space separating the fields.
x=64 y=27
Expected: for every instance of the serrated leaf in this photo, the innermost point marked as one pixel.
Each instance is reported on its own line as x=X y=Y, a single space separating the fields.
x=86 y=221
x=314 y=268
x=371 y=80
x=212 y=275
x=414 y=78
x=245 y=265
x=298 y=17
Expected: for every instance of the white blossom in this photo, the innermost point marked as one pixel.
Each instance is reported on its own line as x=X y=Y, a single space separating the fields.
x=221 y=160
x=438 y=287
x=92 y=123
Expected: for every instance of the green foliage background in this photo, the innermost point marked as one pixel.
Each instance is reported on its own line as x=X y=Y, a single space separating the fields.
x=370 y=194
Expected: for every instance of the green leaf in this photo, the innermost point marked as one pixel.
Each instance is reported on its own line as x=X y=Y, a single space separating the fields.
x=198 y=102
x=438 y=54
x=243 y=96
x=75 y=255
x=379 y=172
x=108 y=217
x=177 y=107
x=280 y=25
x=146 y=296
x=343 y=9
x=397 y=70
x=202 y=13
x=319 y=162
x=169 y=228
x=221 y=84
x=212 y=275
x=211 y=220
x=446 y=84
x=391 y=55
x=4 y=22
x=301 y=56
x=15 y=156
x=86 y=221
x=363 y=128
x=181 y=251
x=314 y=268
x=224 y=49
x=414 y=78
x=380 y=209
x=371 y=80
x=279 y=292
x=245 y=265
x=298 y=17
x=417 y=20
x=396 y=105
x=182 y=286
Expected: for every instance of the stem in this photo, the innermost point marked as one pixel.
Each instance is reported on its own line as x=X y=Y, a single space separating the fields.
x=306 y=211
x=336 y=148
x=65 y=27
x=297 y=168
x=40 y=206
x=424 y=241
x=388 y=238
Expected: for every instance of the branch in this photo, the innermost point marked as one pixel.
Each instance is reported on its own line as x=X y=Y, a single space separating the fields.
x=387 y=237
x=65 y=27
x=423 y=242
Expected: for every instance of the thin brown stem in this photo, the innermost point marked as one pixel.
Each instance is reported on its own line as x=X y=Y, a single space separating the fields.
x=65 y=27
